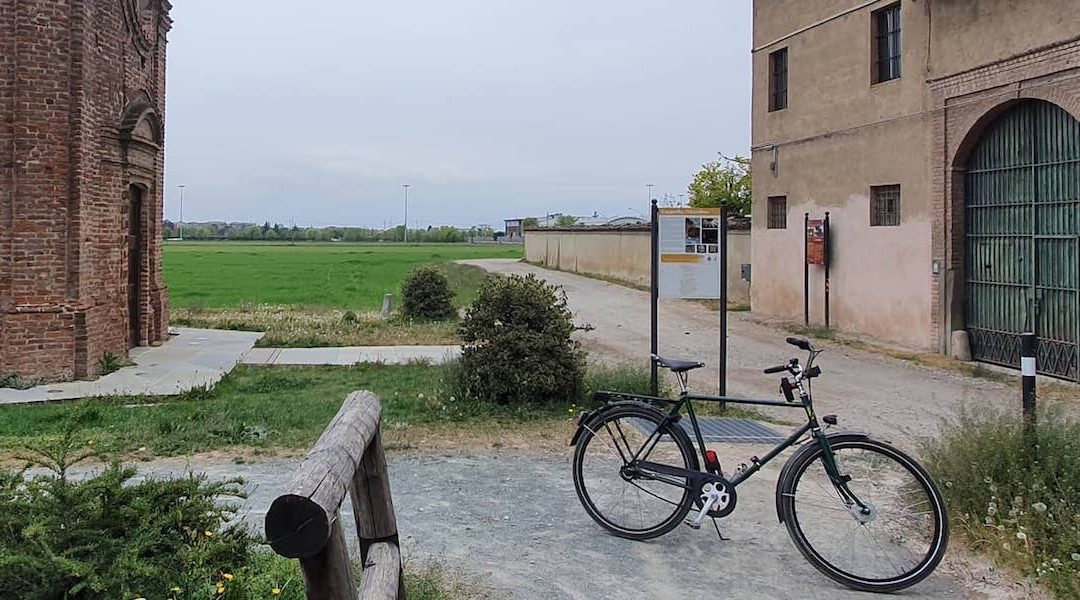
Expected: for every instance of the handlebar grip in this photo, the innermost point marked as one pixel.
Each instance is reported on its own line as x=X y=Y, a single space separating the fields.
x=776 y=369
x=800 y=344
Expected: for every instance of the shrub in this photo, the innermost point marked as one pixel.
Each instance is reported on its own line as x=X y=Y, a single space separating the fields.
x=518 y=347
x=426 y=294
x=1019 y=502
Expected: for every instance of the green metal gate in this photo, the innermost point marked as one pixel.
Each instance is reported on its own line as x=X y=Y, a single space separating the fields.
x=1023 y=238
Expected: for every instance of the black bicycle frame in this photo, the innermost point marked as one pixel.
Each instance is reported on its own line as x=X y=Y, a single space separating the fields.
x=685 y=399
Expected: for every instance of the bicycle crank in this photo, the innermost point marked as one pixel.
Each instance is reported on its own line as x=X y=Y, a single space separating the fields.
x=715 y=499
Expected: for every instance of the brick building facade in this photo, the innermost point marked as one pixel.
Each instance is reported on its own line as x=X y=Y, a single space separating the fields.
x=943 y=138
x=82 y=96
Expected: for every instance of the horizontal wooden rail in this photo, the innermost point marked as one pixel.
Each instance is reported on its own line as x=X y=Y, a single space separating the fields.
x=305 y=521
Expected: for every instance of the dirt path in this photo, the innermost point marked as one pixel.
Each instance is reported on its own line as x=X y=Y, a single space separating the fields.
x=513 y=523
x=896 y=400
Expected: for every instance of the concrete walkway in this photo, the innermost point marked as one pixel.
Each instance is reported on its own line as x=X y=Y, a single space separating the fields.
x=194 y=358
x=390 y=355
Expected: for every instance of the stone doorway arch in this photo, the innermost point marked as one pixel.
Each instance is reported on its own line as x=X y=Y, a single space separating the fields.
x=1016 y=218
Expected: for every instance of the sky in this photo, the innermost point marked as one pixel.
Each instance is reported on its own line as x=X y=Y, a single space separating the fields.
x=316 y=113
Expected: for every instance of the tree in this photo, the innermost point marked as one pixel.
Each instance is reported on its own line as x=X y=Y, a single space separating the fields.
x=566 y=221
x=529 y=223
x=723 y=183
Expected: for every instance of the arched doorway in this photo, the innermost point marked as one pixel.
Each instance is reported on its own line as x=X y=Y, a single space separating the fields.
x=1022 y=205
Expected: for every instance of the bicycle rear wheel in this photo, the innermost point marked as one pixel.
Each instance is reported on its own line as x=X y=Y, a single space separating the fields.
x=623 y=499
x=893 y=543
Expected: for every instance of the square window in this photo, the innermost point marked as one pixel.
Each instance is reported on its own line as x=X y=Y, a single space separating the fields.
x=777 y=218
x=884 y=206
x=885 y=62
x=778 y=80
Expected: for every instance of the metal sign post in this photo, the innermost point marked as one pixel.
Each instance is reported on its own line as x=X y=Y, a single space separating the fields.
x=654 y=386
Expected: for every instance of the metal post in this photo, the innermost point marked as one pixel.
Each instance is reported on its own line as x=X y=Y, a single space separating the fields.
x=654 y=346
x=723 y=303
x=806 y=269
x=406 y=186
x=827 y=258
x=1028 y=346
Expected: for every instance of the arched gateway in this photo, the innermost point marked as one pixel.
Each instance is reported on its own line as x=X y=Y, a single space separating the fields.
x=1022 y=222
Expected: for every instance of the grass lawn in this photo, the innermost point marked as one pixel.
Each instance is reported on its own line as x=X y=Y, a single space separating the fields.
x=285 y=407
x=311 y=275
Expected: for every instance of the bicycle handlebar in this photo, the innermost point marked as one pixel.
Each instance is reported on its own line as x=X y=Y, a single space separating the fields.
x=776 y=369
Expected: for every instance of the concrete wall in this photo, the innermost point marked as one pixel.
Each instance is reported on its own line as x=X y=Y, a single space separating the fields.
x=839 y=136
x=967 y=35
x=621 y=255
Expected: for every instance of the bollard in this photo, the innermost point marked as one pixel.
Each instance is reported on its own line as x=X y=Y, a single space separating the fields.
x=387 y=305
x=1028 y=344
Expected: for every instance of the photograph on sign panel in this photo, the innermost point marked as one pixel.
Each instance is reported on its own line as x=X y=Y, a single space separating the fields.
x=693 y=233
x=710 y=235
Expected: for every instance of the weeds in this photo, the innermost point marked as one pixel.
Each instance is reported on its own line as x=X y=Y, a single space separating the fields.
x=16 y=381
x=111 y=363
x=1017 y=501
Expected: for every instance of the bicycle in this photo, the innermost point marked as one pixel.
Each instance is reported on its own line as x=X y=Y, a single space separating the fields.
x=865 y=514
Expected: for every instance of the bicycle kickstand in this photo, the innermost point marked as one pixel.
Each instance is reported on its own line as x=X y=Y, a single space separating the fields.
x=721 y=535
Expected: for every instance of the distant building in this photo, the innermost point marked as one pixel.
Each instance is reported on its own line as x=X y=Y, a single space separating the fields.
x=942 y=138
x=514 y=229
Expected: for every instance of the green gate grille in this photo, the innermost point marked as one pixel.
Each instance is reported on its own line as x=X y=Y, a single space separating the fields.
x=1023 y=238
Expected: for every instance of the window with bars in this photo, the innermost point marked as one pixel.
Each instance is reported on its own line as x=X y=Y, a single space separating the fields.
x=777 y=218
x=886 y=33
x=778 y=80
x=884 y=206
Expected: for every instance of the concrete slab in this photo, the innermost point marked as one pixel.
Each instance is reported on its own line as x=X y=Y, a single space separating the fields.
x=195 y=357
x=390 y=355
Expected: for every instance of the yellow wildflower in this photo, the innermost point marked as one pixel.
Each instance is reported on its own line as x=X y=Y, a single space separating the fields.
x=208 y=533
x=175 y=590
x=228 y=576
x=275 y=592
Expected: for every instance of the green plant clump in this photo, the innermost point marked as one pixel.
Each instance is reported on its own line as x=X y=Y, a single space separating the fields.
x=1016 y=496
x=426 y=294
x=518 y=348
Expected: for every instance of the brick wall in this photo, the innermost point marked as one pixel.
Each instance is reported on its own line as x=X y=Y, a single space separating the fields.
x=82 y=89
x=962 y=106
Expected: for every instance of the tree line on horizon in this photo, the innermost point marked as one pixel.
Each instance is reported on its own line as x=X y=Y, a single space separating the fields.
x=277 y=232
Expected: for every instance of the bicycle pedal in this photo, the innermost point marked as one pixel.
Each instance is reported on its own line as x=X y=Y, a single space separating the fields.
x=691 y=524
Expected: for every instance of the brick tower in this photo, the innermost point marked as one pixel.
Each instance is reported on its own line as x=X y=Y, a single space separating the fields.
x=82 y=97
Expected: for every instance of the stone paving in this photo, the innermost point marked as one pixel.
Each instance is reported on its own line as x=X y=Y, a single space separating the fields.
x=193 y=358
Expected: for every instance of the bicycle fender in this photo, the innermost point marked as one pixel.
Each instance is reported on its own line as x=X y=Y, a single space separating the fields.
x=807 y=448
x=608 y=405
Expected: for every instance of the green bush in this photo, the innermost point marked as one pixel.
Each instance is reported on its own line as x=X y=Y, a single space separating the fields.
x=518 y=347
x=1018 y=501
x=426 y=294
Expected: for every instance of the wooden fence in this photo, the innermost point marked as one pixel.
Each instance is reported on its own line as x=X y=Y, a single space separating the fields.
x=305 y=521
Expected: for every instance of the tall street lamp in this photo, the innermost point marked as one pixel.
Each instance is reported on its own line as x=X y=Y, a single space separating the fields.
x=406 y=186
x=649 y=199
x=181 y=211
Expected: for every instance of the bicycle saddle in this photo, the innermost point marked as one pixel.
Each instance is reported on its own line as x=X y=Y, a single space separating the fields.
x=678 y=366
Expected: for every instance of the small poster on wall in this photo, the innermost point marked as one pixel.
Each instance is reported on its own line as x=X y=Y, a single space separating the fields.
x=691 y=254
x=815 y=242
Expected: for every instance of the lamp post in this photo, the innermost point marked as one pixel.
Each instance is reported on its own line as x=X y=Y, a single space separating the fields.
x=181 y=211
x=406 y=186
x=650 y=186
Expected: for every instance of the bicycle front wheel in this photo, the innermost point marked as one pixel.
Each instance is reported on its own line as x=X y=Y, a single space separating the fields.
x=893 y=540
x=627 y=500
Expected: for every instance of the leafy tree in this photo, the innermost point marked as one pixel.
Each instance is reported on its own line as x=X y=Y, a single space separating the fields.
x=723 y=183
x=530 y=222
x=566 y=221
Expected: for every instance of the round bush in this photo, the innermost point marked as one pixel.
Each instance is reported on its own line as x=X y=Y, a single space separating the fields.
x=518 y=347
x=426 y=294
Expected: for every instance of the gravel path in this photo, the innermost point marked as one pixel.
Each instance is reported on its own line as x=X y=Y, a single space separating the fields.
x=514 y=523
x=897 y=400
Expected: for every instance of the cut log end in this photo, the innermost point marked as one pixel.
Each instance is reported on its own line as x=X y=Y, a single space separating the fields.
x=297 y=527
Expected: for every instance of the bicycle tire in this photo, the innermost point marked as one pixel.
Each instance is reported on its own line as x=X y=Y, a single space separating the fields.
x=796 y=522
x=600 y=424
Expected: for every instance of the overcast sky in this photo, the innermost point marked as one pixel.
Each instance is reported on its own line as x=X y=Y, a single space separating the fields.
x=318 y=112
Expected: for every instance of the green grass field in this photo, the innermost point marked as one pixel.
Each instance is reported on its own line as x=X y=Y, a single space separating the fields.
x=330 y=275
